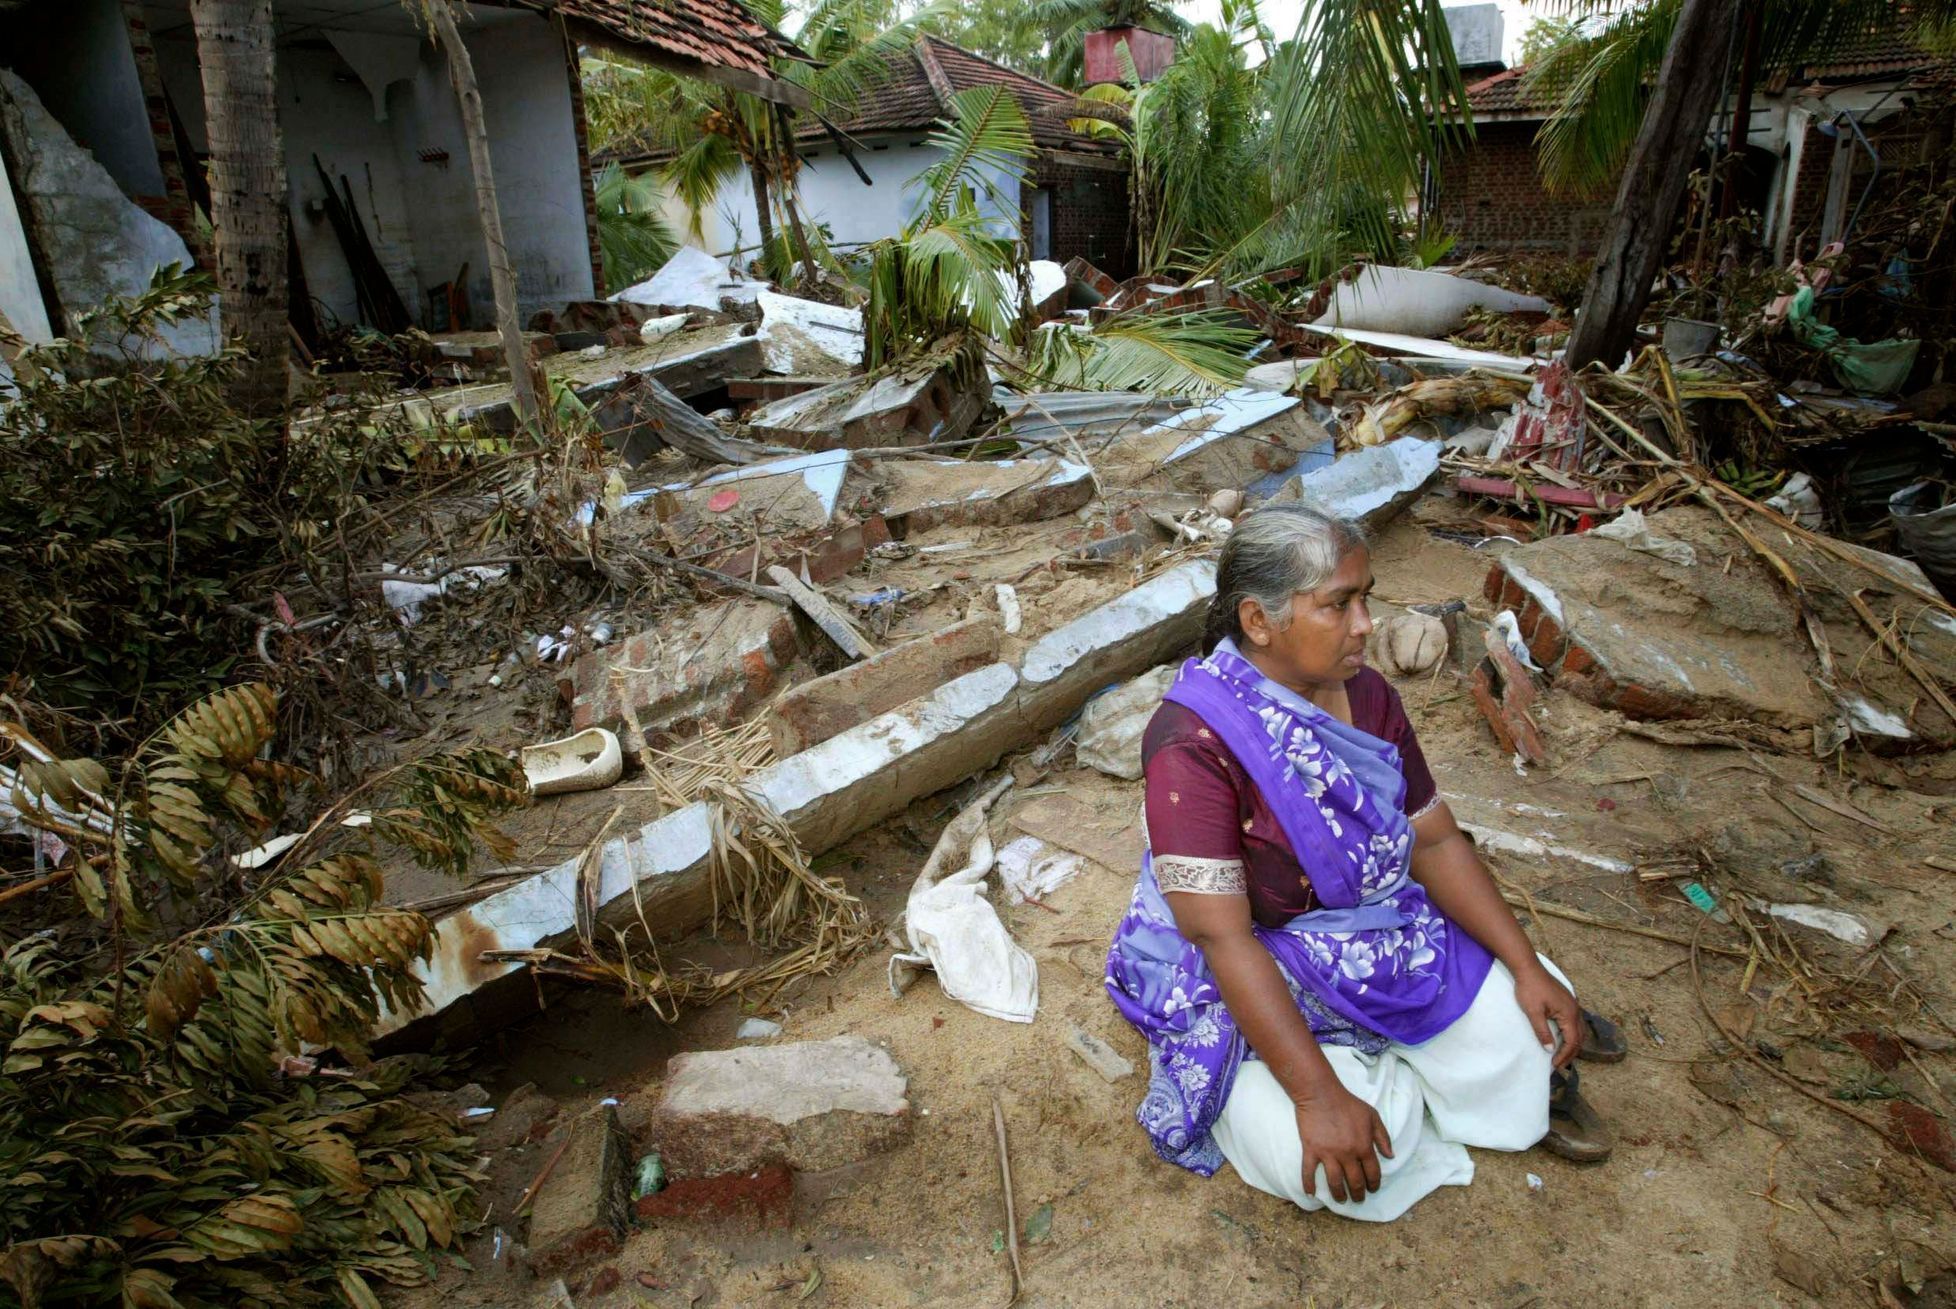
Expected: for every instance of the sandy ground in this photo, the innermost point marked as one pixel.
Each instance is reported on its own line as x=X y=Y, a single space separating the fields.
x=1726 y=1186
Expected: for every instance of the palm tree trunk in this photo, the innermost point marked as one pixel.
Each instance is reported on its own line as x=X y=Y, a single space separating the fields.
x=248 y=190
x=763 y=202
x=785 y=144
x=1660 y=163
x=502 y=278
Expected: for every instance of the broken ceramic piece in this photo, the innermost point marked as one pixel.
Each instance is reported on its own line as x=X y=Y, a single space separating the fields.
x=588 y=761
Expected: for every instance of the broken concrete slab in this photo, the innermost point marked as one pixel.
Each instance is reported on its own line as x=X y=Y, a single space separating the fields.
x=694 y=278
x=583 y=1207
x=1417 y=302
x=924 y=493
x=826 y=794
x=1126 y=636
x=887 y=409
x=96 y=244
x=806 y=1104
x=1658 y=639
x=1371 y=485
x=689 y=363
x=725 y=661
x=811 y=713
x=1055 y=415
x=801 y=337
x=1229 y=441
x=798 y=492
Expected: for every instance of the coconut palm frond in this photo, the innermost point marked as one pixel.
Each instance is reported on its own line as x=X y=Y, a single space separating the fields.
x=1194 y=353
x=634 y=239
x=1356 y=99
x=696 y=174
x=1601 y=83
x=858 y=46
x=984 y=142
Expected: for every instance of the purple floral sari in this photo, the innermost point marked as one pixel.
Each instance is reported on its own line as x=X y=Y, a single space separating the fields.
x=1377 y=964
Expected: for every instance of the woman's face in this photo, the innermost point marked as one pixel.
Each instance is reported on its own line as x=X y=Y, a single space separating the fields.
x=1324 y=641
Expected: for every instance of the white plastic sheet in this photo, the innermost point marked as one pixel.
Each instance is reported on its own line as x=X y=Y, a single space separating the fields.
x=954 y=931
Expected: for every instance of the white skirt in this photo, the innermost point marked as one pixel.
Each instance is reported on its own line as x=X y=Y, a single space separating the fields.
x=1483 y=1082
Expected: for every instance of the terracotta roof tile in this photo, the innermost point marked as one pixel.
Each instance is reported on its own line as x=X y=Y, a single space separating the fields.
x=909 y=102
x=715 y=32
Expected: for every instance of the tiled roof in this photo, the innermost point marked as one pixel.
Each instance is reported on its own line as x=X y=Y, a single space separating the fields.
x=1868 y=54
x=916 y=95
x=1502 y=94
x=716 y=33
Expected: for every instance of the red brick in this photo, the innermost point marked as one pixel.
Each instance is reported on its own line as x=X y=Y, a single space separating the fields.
x=1642 y=702
x=1546 y=643
x=765 y=1198
x=1921 y=1131
x=1491 y=588
x=1576 y=660
x=1884 y=1052
x=818 y=710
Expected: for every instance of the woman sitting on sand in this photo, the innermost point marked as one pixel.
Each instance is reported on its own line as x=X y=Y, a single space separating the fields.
x=1336 y=998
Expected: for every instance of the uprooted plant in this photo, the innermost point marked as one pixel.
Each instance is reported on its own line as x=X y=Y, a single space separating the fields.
x=164 y=1141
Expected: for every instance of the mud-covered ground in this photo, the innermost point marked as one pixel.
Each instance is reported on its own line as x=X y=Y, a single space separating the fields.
x=1727 y=1185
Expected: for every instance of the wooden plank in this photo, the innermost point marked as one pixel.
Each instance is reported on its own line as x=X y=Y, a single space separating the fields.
x=817 y=607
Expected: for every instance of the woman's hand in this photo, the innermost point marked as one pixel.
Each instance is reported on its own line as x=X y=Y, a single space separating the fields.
x=1545 y=1000
x=1343 y=1133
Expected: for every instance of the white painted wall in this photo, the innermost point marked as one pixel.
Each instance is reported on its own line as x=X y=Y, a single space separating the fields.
x=20 y=294
x=420 y=216
x=324 y=113
x=831 y=193
x=533 y=149
x=76 y=56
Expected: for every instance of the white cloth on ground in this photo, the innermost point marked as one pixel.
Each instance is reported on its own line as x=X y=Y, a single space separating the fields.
x=1483 y=1082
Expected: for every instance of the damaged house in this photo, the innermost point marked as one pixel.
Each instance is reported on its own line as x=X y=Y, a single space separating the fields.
x=1819 y=137
x=1074 y=202
x=103 y=141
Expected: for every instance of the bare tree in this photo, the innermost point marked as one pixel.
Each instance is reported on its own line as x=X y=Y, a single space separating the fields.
x=502 y=277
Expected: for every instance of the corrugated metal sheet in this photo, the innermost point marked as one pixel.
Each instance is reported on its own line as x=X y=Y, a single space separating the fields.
x=1041 y=415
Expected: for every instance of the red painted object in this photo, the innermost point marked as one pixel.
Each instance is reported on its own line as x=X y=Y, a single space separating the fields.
x=1500 y=488
x=1151 y=51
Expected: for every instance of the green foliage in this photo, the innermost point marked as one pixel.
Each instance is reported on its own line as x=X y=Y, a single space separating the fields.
x=954 y=265
x=634 y=238
x=133 y=498
x=152 y=1150
x=1191 y=354
x=1600 y=71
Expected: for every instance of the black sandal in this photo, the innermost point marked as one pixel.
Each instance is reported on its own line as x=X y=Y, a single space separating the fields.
x=1602 y=1040
x=1576 y=1131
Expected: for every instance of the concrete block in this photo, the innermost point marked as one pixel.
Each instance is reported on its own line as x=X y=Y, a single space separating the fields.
x=725 y=662
x=806 y=1104
x=806 y=336
x=1229 y=441
x=584 y=1206
x=97 y=244
x=1126 y=636
x=926 y=493
x=813 y=712
x=1372 y=485
x=863 y=412
x=827 y=793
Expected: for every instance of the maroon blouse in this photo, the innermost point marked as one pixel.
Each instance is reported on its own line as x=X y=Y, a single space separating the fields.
x=1202 y=807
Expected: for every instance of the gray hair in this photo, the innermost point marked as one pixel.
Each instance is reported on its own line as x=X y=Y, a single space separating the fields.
x=1275 y=552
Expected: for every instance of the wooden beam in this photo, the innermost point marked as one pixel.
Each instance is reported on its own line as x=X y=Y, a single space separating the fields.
x=817 y=607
